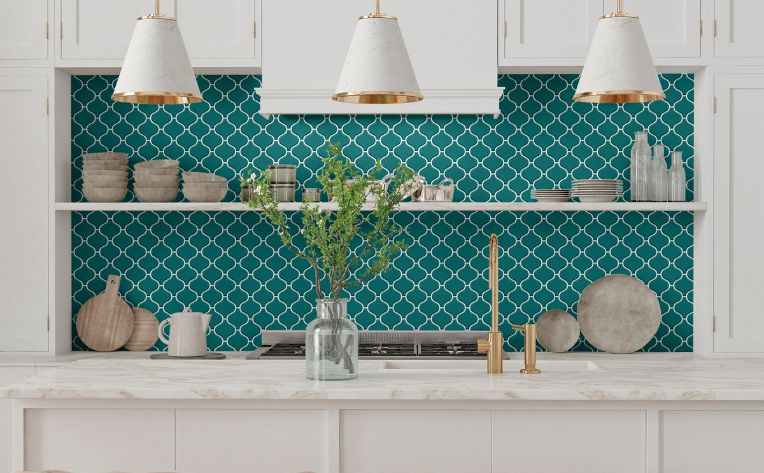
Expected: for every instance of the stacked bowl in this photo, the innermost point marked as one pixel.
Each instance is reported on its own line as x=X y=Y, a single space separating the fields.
x=282 y=182
x=104 y=177
x=204 y=187
x=597 y=190
x=156 y=181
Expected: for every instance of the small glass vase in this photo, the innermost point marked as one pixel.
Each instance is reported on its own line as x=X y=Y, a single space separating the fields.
x=331 y=343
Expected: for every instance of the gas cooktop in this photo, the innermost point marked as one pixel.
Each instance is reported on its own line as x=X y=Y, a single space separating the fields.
x=379 y=345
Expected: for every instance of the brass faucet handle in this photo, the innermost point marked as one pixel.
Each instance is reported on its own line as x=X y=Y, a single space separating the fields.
x=483 y=345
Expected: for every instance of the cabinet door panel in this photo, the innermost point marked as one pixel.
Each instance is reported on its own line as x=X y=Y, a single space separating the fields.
x=558 y=441
x=738 y=214
x=9 y=376
x=23 y=29
x=712 y=441
x=223 y=30
x=101 y=29
x=99 y=440
x=672 y=27
x=226 y=441
x=423 y=441
x=549 y=28
x=739 y=31
x=24 y=271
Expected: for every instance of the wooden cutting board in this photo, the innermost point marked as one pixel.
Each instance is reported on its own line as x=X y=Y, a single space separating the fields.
x=145 y=330
x=105 y=322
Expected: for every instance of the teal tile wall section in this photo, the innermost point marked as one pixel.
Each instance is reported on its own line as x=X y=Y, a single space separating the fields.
x=232 y=265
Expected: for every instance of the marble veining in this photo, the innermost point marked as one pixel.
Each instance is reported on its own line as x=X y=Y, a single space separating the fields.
x=644 y=377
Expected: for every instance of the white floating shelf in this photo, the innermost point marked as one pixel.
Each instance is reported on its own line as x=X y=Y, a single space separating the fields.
x=406 y=206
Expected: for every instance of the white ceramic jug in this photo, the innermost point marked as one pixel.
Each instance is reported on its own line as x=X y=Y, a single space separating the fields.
x=188 y=333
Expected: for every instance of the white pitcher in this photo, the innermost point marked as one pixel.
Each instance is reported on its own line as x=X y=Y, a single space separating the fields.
x=188 y=333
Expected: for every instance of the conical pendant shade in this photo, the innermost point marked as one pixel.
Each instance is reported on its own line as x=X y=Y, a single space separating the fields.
x=157 y=69
x=377 y=68
x=619 y=67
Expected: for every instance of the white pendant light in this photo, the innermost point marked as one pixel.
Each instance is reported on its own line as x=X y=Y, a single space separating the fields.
x=377 y=68
x=157 y=69
x=619 y=67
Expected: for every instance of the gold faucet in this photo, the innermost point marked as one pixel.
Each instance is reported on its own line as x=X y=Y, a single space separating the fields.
x=494 y=344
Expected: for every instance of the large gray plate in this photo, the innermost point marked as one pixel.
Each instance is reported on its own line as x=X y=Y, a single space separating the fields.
x=618 y=314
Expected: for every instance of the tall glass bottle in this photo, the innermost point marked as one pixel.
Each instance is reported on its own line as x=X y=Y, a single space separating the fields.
x=640 y=166
x=659 y=175
x=677 y=178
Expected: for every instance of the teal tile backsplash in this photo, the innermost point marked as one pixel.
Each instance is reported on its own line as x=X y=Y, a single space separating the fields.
x=232 y=264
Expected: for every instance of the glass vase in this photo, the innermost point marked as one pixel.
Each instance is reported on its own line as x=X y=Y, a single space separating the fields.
x=640 y=167
x=331 y=343
x=659 y=175
x=677 y=178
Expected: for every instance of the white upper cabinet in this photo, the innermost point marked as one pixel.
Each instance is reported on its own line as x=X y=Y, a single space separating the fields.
x=219 y=30
x=672 y=27
x=24 y=29
x=547 y=28
x=452 y=47
x=101 y=29
x=739 y=28
x=24 y=239
x=215 y=33
x=738 y=213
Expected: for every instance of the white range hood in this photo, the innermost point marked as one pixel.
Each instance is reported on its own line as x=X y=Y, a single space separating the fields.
x=452 y=45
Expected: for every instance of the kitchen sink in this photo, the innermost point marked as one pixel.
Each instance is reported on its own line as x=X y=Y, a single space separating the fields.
x=510 y=366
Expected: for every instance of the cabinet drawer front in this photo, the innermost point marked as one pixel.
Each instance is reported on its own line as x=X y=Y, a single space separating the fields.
x=252 y=441
x=399 y=441
x=559 y=441
x=99 y=440
x=712 y=441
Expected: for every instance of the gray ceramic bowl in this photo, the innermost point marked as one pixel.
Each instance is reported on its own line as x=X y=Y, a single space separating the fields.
x=104 y=167
x=206 y=185
x=202 y=177
x=102 y=172
x=105 y=181
x=156 y=194
x=197 y=194
x=156 y=180
x=158 y=164
x=105 y=194
x=98 y=159
x=155 y=172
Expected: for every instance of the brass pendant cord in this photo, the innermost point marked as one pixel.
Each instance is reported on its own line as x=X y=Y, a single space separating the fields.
x=156 y=8
x=619 y=7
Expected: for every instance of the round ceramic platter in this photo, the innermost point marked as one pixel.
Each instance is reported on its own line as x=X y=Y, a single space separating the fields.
x=557 y=331
x=619 y=314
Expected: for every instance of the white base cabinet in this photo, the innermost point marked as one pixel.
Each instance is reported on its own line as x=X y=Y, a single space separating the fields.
x=302 y=436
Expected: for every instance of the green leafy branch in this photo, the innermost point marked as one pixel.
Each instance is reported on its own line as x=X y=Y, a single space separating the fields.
x=349 y=245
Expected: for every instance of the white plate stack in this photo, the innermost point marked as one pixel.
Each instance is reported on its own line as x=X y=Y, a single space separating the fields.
x=104 y=177
x=550 y=195
x=597 y=190
x=157 y=180
x=204 y=187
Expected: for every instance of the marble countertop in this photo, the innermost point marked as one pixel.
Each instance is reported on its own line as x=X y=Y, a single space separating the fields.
x=684 y=377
